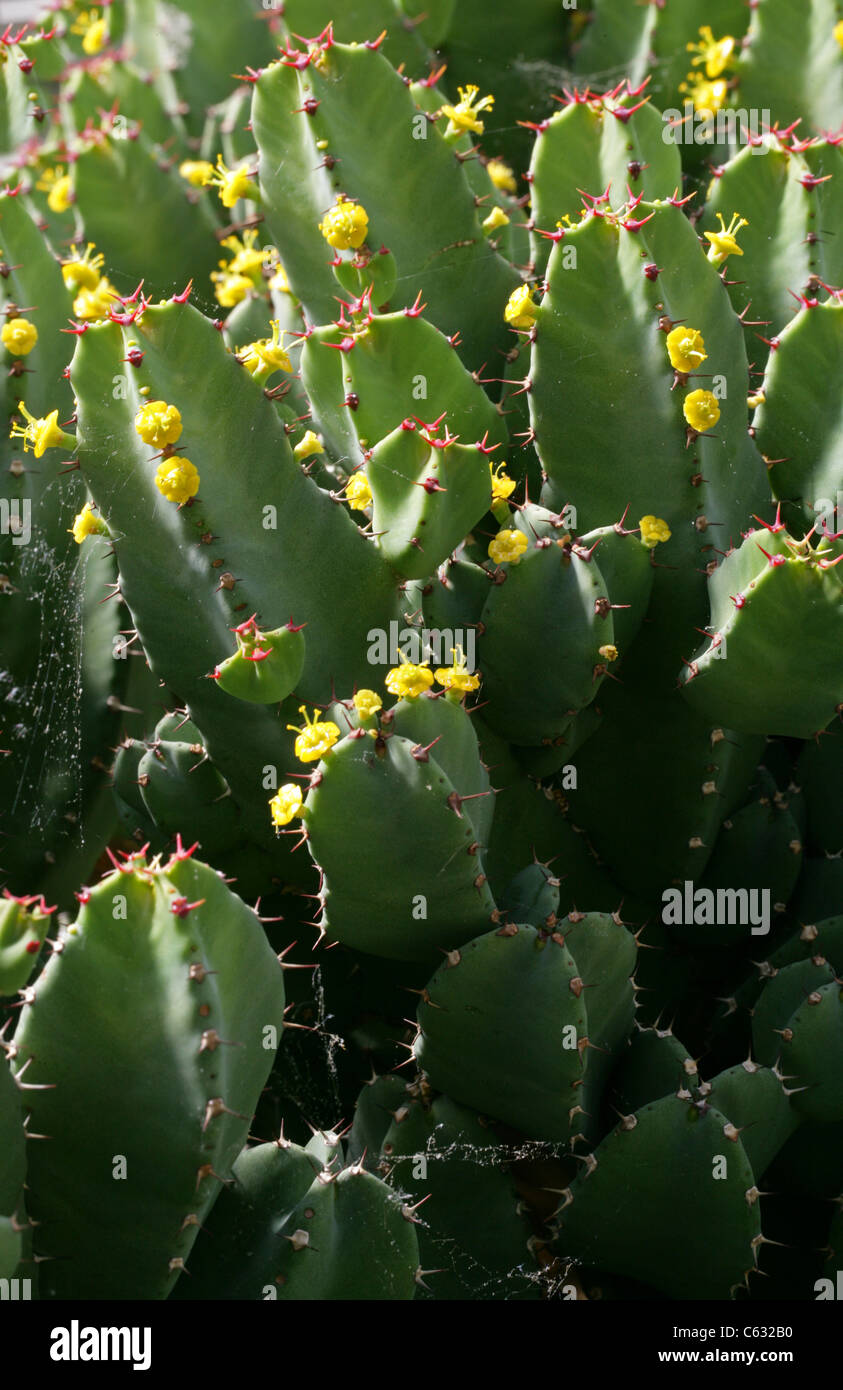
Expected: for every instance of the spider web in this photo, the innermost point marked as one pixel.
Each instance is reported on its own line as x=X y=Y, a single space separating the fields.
x=51 y=592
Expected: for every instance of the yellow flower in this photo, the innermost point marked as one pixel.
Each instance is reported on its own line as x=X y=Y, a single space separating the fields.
x=177 y=479
x=609 y=652
x=497 y=218
x=653 y=531
x=158 y=423
x=502 y=176
x=19 y=336
x=686 y=349
x=502 y=485
x=507 y=547
x=95 y=303
x=345 y=225
x=715 y=53
x=457 y=676
x=706 y=96
x=837 y=31
x=41 y=433
x=723 y=243
x=267 y=355
x=58 y=186
x=87 y=524
x=701 y=410
x=358 y=494
x=198 y=172
x=243 y=272
x=93 y=29
x=463 y=116
x=95 y=37
x=367 y=703
x=521 y=310
x=232 y=184
x=98 y=302
x=285 y=804
x=315 y=738
x=408 y=680
x=82 y=272
x=758 y=398
x=231 y=289
x=279 y=281
x=248 y=258
x=308 y=445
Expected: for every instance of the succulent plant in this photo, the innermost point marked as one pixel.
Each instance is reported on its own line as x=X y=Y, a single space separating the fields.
x=420 y=547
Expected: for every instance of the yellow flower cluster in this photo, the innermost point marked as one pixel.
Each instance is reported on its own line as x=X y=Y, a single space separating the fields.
x=507 y=547
x=40 y=433
x=160 y=426
x=231 y=184
x=177 y=479
x=87 y=524
x=724 y=243
x=19 y=336
x=464 y=116
x=521 y=309
x=285 y=804
x=345 y=225
x=685 y=346
x=308 y=446
x=267 y=355
x=94 y=294
x=653 y=531
x=707 y=88
x=93 y=29
x=686 y=349
x=243 y=272
x=502 y=176
x=502 y=485
x=367 y=703
x=358 y=493
x=316 y=737
x=58 y=186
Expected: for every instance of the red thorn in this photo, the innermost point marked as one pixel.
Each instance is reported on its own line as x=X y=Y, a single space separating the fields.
x=416 y=308
x=180 y=906
x=180 y=852
x=774 y=560
x=635 y=224
x=623 y=113
x=777 y=525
